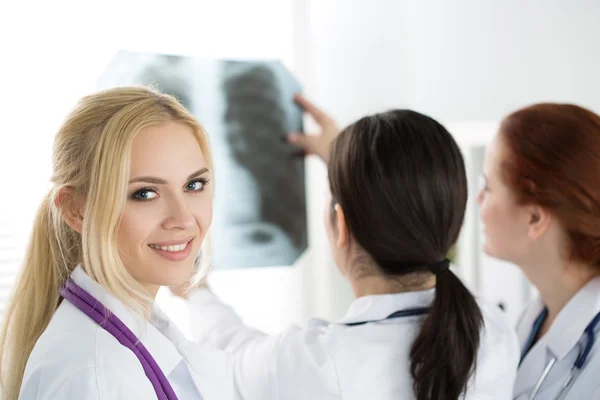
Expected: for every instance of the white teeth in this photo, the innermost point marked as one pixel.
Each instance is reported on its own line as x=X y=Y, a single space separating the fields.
x=172 y=248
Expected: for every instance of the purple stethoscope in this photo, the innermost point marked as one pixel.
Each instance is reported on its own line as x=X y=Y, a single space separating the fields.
x=113 y=325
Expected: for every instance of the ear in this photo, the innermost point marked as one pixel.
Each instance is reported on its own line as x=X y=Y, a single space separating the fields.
x=539 y=220
x=342 y=227
x=71 y=208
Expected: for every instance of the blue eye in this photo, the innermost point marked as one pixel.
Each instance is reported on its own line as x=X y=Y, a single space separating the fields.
x=196 y=185
x=145 y=195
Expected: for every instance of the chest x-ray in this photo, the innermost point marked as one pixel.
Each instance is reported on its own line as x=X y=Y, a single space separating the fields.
x=247 y=109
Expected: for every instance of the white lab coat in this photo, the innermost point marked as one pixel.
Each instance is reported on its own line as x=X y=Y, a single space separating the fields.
x=77 y=359
x=562 y=341
x=327 y=361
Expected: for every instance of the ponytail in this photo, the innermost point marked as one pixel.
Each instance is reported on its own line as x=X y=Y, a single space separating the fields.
x=444 y=355
x=401 y=181
x=36 y=294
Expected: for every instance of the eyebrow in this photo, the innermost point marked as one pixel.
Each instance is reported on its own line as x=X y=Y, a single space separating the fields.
x=160 y=181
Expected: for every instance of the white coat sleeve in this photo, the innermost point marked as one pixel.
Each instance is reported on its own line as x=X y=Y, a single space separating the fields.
x=50 y=382
x=46 y=384
x=294 y=364
x=217 y=324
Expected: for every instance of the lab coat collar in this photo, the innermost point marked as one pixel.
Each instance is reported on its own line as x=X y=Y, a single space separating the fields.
x=525 y=323
x=563 y=336
x=572 y=320
x=568 y=328
x=379 y=307
x=159 y=337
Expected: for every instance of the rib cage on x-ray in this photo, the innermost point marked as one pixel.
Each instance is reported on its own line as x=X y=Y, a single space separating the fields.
x=254 y=120
x=247 y=109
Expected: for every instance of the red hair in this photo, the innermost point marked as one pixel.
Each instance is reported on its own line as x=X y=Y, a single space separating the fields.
x=554 y=161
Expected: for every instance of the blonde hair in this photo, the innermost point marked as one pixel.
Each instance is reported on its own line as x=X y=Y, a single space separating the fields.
x=91 y=157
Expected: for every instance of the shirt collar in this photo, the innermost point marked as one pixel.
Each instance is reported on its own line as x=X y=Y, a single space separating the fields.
x=156 y=336
x=381 y=306
x=568 y=327
x=525 y=323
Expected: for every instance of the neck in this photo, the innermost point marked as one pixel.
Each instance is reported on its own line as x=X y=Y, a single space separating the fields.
x=557 y=283
x=151 y=289
x=378 y=284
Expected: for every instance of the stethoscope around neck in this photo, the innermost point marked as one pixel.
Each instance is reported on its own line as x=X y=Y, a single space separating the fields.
x=91 y=307
x=579 y=363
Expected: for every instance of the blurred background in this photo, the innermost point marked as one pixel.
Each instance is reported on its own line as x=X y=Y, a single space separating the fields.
x=466 y=63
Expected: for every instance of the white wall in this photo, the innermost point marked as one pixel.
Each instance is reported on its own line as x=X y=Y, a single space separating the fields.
x=459 y=60
x=467 y=63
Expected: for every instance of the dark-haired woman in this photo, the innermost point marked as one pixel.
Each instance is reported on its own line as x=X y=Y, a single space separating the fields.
x=398 y=196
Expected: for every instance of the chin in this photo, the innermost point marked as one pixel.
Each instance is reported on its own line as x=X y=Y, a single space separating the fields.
x=487 y=249
x=175 y=276
x=490 y=251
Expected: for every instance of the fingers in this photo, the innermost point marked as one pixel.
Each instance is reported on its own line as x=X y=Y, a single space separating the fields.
x=302 y=141
x=295 y=139
x=319 y=115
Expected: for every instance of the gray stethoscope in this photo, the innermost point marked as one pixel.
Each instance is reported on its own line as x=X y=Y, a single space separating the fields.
x=579 y=362
x=410 y=312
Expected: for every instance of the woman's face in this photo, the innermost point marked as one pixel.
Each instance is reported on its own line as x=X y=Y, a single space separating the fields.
x=169 y=206
x=505 y=223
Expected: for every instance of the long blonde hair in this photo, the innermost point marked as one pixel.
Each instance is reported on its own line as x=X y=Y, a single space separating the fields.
x=91 y=157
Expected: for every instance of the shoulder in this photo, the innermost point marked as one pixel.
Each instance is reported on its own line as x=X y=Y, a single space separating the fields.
x=61 y=363
x=69 y=340
x=495 y=320
x=304 y=354
x=313 y=341
x=498 y=356
x=52 y=381
x=75 y=355
x=498 y=335
x=281 y=366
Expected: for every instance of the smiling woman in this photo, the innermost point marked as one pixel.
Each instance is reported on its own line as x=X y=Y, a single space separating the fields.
x=169 y=206
x=129 y=209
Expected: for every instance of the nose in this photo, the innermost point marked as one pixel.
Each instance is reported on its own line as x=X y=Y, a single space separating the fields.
x=179 y=215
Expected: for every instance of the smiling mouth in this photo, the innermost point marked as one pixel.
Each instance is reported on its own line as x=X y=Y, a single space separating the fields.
x=171 y=248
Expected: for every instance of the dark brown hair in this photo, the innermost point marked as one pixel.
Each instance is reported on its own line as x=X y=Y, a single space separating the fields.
x=400 y=179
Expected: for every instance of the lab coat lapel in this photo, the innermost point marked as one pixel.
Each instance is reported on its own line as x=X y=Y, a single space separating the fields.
x=531 y=369
x=211 y=369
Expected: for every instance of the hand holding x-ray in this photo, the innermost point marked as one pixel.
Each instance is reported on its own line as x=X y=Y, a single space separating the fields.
x=318 y=144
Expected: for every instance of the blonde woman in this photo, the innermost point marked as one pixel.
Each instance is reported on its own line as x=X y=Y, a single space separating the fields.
x=130 y=207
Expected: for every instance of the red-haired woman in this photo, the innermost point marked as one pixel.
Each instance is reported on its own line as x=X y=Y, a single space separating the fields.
x=541 y=210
